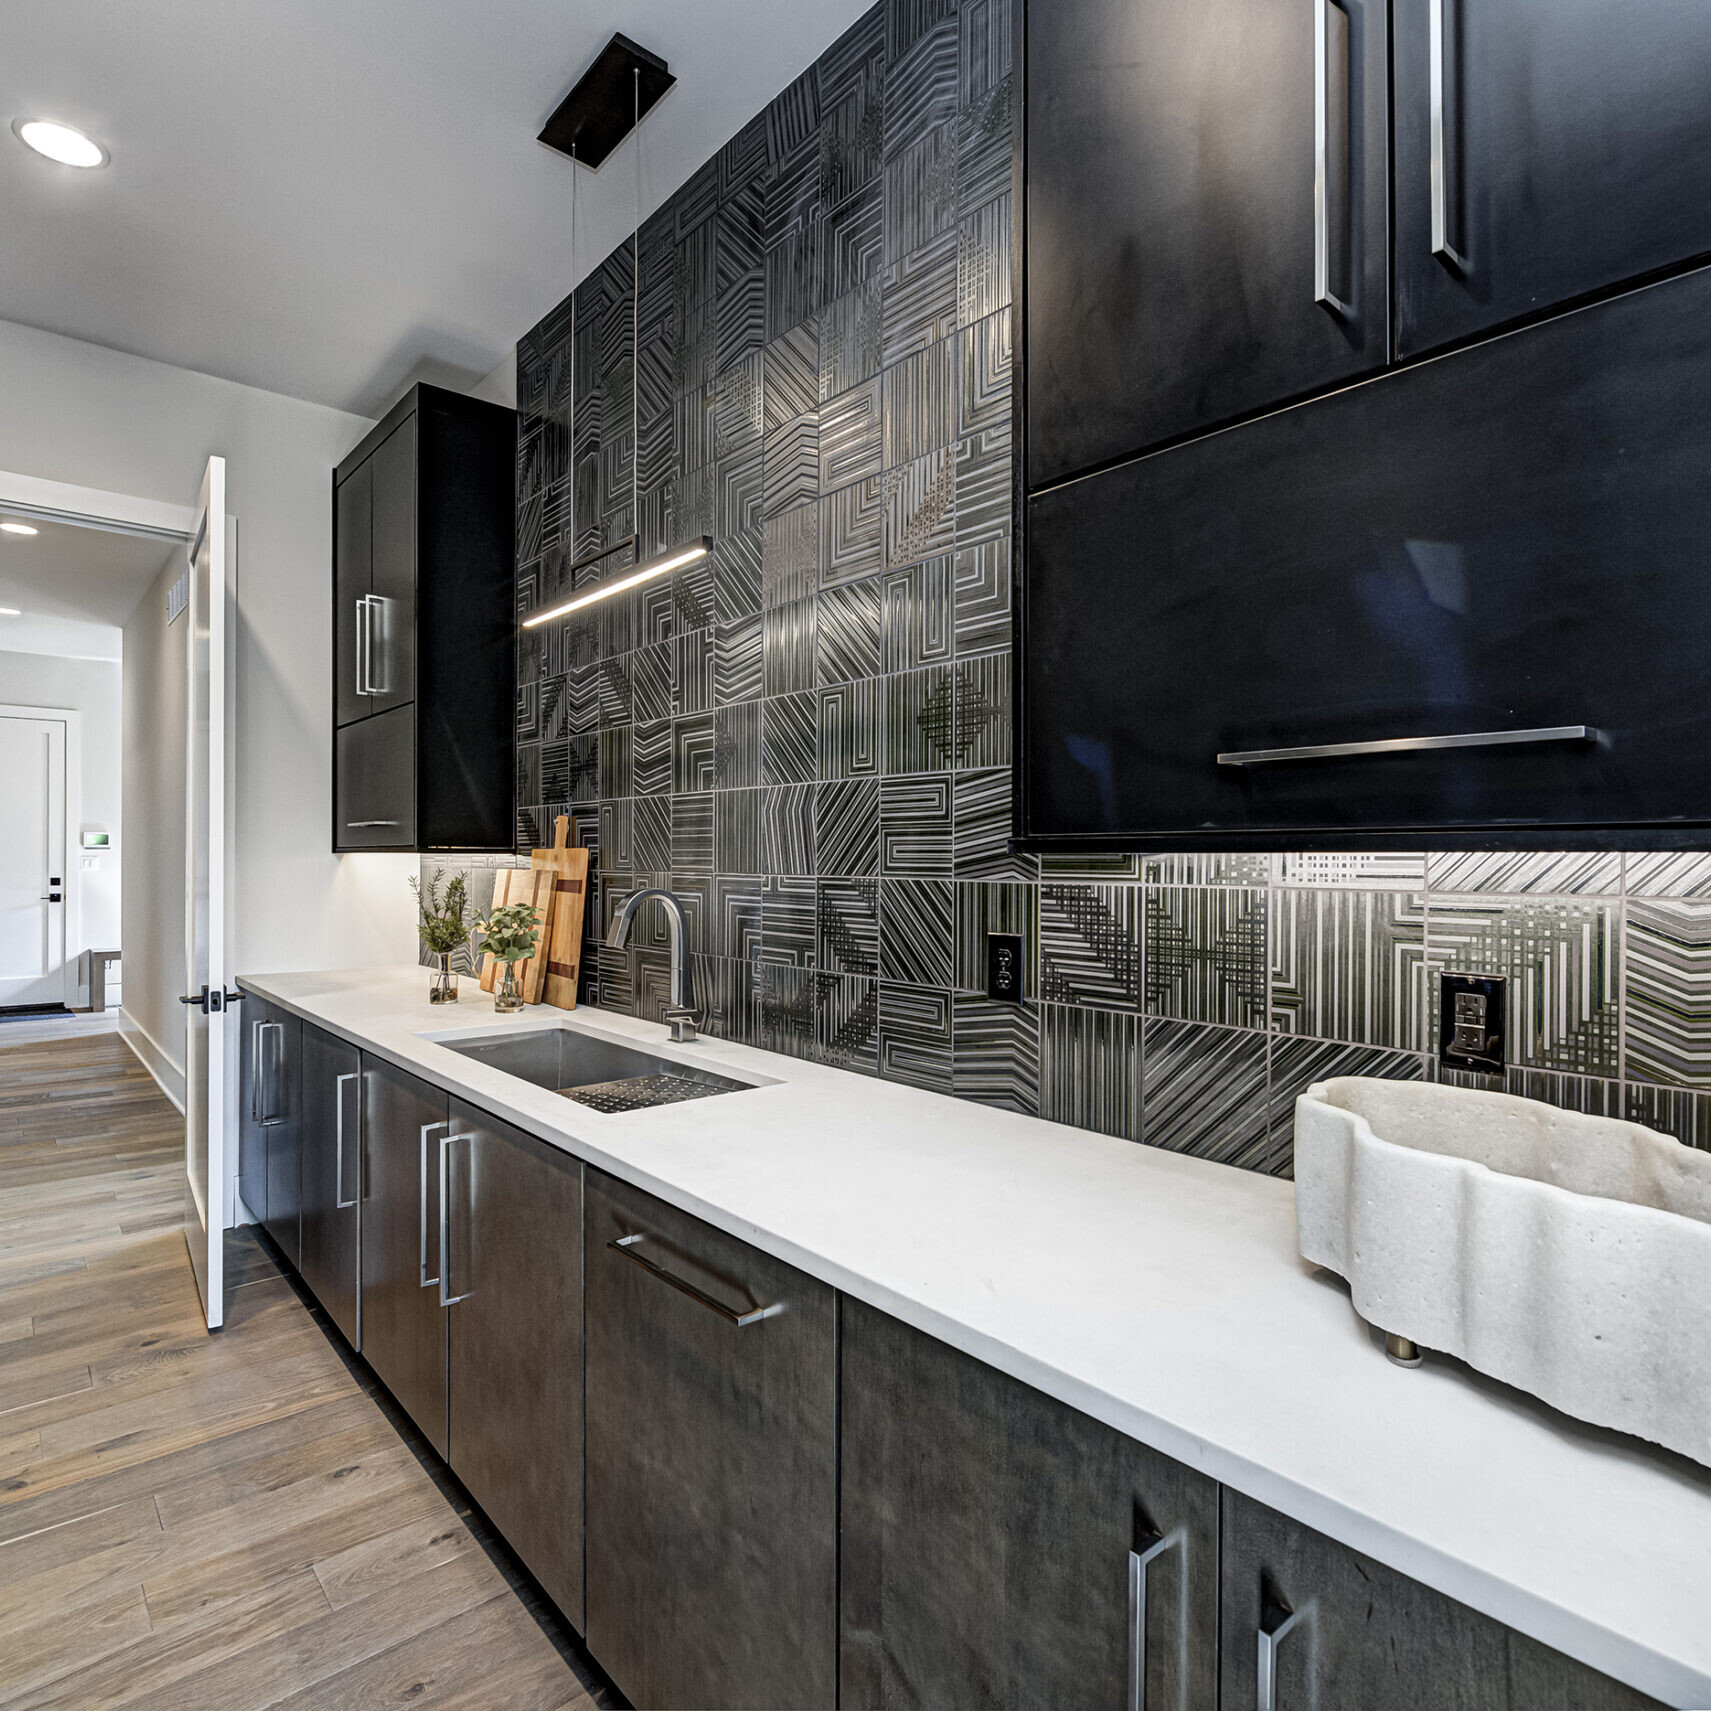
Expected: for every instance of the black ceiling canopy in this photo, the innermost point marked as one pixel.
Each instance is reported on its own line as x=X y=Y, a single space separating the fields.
x=601 y=110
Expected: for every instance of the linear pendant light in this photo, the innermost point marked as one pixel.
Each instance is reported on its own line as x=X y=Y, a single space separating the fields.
x=673 y=558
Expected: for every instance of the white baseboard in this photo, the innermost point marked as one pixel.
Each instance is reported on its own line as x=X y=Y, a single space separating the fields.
x=169 y=1078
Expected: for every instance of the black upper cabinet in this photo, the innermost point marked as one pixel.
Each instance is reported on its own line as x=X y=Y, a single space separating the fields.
x=1189 y=258
x=1574 y=147
x=1504 y=540
x=424 y=628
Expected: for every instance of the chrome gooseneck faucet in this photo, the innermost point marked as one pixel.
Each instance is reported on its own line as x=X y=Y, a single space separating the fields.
x=679 y=1017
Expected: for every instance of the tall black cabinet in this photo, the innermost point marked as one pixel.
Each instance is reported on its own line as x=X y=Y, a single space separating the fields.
x=424 y=629
x=1342 y=528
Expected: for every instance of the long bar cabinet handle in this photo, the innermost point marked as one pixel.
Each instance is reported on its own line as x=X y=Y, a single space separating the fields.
x=1441 y=245
x=269 y=1113
x=1415 y=745
x=1144 y=1554
x=1323 y=295
x=362 y=645
x=1274 y=1626
x=427 y=1129
x=627 y=1246
x=255 y=1071
x=447 y=1299
x=340 y=1203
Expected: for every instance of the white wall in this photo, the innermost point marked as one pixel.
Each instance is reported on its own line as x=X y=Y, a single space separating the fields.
x=79 y=413
x=91 y=687
x=157 y=686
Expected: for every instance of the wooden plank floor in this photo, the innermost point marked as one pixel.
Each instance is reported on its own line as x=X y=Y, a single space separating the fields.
x=236 y=1520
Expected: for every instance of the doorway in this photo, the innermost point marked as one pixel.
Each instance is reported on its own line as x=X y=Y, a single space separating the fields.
x=33 y=928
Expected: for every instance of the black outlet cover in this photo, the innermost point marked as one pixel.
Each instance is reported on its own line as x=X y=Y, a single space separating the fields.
x=1004 y=967
x=1471 y=1020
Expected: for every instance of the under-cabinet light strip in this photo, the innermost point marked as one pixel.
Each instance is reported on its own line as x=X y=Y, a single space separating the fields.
x=673 y=560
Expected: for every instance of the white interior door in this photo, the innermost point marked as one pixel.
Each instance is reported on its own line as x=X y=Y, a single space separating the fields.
x=206 y=1046
x=32 y=861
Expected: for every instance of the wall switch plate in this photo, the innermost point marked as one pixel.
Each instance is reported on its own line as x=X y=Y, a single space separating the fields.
x=1004 y=967
x=1471 y=1012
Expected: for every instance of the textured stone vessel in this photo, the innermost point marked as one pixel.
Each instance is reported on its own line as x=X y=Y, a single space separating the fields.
x=1567 y=1255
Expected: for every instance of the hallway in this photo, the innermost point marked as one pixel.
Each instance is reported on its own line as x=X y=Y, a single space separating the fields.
x=237 y=1520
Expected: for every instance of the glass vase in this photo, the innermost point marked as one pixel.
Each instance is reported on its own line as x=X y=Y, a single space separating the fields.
x=508 y=995
x=442 y=989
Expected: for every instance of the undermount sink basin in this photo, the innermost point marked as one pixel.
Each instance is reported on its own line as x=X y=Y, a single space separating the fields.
x=601 y=1074
x=1565 y=1254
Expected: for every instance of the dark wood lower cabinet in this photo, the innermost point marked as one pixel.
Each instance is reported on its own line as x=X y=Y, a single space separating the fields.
x=330 y=1156
x=712 y=1463
x=1340 y=1632
x=403 y=1323
x=990 y=1537
x=514 y=1210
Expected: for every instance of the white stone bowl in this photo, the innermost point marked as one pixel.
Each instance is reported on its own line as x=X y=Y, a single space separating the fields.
x=1564 y=1254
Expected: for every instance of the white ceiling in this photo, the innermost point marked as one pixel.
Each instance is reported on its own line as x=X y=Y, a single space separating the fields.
x=334 y=198
x=67 y=571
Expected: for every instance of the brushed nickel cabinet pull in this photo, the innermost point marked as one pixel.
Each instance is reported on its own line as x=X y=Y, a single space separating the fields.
x=339 y=1202
x=1141 y=1558
x=426 y=1281
x=1441 y=245
x=1415 y=745
x=446 y=1298
x=1275 y=1624
x=1323 y=295
x=626 y=1245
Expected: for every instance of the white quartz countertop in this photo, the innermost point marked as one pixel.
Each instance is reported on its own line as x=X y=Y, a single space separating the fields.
x=1161 y=1294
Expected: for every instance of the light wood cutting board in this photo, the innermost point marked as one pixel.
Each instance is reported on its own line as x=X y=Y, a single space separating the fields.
x=532 y=886
x=569 y=870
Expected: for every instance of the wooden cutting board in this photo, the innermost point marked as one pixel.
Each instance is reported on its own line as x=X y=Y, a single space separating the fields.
x=532 y=886
x=569 y=870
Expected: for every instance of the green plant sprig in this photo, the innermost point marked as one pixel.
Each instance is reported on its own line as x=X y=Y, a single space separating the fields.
x=443 y=922
x=511 y=932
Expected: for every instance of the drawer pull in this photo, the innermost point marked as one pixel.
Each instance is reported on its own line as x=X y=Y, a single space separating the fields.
x=626 y=1245
x=1415 y=745
x=447 y=1299
x=1276 y=1620
x=354 y=824
x=422 y=1252
x=340 y=1203
x=1323 y=295
x=1147 y=1550
x=1442 y=248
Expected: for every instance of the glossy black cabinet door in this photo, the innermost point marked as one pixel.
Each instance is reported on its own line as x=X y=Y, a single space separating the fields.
x=990 y=1535
x=1575 y=150
x=393 y=621
x=1174 y=231
x=403 y=1323
x=282 y=1102
x=712 y=1463
x=1345 y=1633
x=331 y=1176
x=374 y=787
x=1508 y=538
x=515 y=1245
x=353 y=584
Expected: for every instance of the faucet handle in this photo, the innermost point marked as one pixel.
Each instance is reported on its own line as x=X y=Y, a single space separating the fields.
x=682 y=1025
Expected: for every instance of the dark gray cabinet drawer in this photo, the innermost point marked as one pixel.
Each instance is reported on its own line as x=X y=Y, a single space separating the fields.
x=990 y=1536
x=712 y=1463
x=514 y=1243
x=1344 y=1633
x=331 y=1176
x=375 y=787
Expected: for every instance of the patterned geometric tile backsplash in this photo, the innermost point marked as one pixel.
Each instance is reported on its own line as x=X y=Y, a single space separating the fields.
x=807 y=736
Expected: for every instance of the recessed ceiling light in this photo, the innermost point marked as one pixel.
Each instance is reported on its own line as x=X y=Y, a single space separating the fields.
x=64 y=143
x=20 y=529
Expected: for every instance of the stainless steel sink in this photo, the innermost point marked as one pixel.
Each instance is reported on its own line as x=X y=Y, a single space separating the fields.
x=598 y=1073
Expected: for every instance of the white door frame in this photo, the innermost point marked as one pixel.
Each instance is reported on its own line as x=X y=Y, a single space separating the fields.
x=73 y=890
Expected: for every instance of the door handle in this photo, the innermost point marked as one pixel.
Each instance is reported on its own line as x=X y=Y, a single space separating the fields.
x=53 y=897
x=1323 y=295
x=1146 y=1550
x=1276 y=1621
x=255 y=1075
x=363 y=643
x=1415 y=745
x=369 y=681
x=626 y=1245
x=339 y=1202
x=1441 y=245
x=427 y=1129
x=446 y=1298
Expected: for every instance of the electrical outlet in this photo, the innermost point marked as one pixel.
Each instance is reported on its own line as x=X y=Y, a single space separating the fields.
x=1004 y=967
x=1471 y=1012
